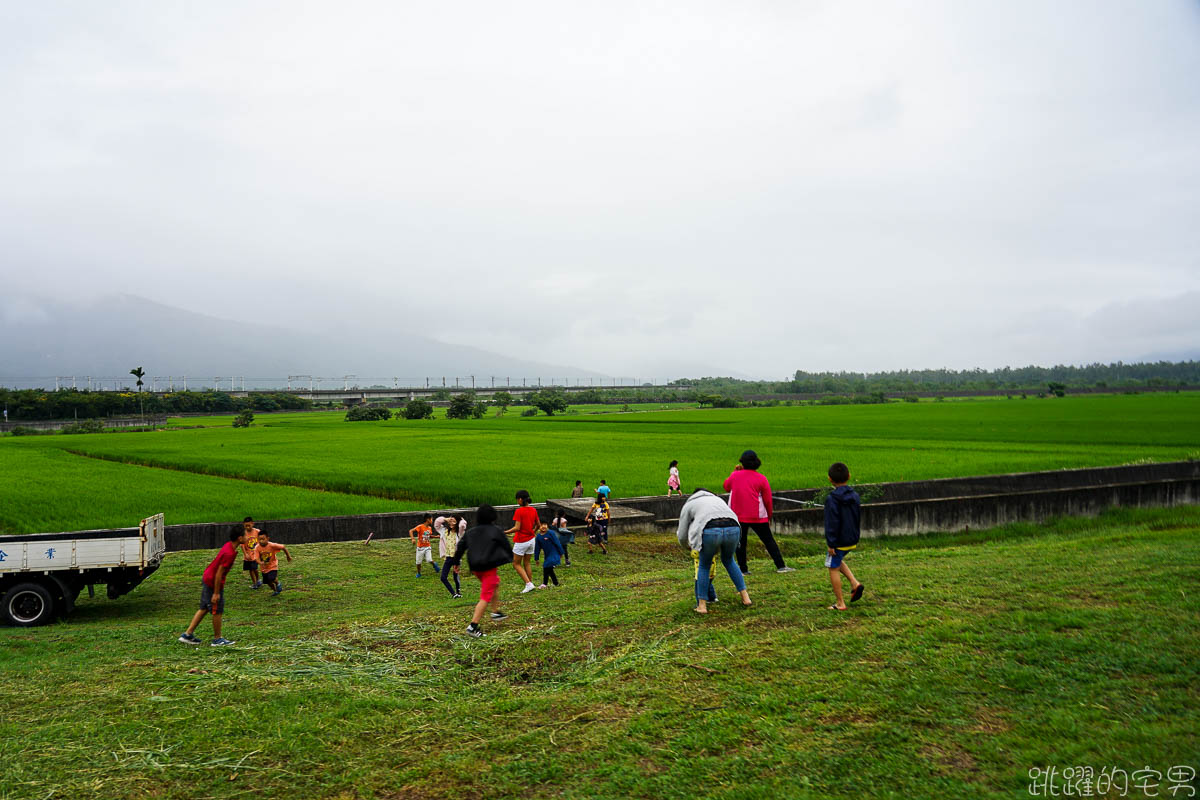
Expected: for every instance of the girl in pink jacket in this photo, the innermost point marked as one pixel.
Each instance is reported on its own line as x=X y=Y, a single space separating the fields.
x=750 y=498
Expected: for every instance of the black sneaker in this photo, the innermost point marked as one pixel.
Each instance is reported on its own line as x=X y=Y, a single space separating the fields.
x=456 y=596
x=188 y=638
x=475 y=630
x=499 y=615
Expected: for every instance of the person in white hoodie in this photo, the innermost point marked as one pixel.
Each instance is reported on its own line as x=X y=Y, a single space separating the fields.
x=710 y=529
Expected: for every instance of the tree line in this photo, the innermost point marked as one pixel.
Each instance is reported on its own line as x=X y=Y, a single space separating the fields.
x=1031 y=378
x=35 y=404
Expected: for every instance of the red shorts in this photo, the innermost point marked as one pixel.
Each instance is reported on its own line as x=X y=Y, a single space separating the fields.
x=489 y=582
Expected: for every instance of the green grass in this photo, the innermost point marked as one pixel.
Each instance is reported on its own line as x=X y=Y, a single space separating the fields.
x=365 y=466
x=971 y=659
x=59 y=491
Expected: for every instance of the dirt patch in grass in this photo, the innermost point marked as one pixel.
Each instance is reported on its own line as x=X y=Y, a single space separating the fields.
x=991 y=720
x=950 y=759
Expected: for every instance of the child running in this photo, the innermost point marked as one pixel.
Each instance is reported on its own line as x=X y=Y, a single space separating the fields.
x=524 y=531
x=212 y=590
x=565 y=537
x=547 y=542
x=419 y=534
x=250 y=554
x=268 y=555
x=842 y=516
x=673 y=480
x=487 y=549
x=447 y=533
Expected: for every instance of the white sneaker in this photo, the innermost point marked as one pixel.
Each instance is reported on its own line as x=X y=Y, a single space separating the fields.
x=529 y=587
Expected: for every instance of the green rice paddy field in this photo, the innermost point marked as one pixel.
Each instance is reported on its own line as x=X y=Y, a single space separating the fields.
x=314 y=464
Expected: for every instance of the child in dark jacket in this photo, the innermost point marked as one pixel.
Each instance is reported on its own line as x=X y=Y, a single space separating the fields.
x=547 y=542
x=843 y=511
x=486 y=548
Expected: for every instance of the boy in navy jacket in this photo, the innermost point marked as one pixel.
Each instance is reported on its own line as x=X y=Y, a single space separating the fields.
x=842 y=513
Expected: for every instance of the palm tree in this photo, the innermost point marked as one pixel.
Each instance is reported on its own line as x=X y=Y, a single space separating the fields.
x=139 y=373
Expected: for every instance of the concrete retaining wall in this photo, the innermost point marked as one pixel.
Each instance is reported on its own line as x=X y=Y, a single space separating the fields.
x=211 y=535
x=909 y=507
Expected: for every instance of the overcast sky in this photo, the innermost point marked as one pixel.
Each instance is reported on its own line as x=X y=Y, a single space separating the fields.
x=749 y=186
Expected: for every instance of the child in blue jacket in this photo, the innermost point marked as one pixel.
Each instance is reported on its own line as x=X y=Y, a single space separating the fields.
x=843 y=511
x=547 y=542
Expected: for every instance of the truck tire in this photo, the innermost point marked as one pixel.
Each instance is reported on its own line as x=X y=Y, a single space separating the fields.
x=28 y=604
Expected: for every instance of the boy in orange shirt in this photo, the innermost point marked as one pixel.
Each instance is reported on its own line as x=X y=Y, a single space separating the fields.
x=420 y=538
x=268 y=556
x=250 y=553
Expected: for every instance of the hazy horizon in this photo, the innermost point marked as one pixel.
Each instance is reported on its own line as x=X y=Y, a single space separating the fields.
x=632 y=189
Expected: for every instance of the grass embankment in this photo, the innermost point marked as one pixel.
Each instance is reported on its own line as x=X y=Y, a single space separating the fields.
x=972 y=659
x=364 y=466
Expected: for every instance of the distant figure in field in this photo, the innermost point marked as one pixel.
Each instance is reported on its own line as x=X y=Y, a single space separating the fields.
x=750 y=496
x=565 y=537
x=524 y=531
x=673 y=479
x=597 y=522
x=268 y=554
x=212 y=590
x=447 y=530
x=603 y=488
x=547 y=542
x=709 y=528
x=249 y=554
x=578 y=490
x=843 y=513
x=487 y=549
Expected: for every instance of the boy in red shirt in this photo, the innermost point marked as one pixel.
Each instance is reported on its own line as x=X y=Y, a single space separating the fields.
x=212 y=589
x=524 y=531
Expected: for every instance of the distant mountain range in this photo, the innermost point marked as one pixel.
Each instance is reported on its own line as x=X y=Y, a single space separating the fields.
x=111 y=335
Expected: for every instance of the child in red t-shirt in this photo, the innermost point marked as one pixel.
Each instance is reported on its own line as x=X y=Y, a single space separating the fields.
x=524 y=533
x=212 y=590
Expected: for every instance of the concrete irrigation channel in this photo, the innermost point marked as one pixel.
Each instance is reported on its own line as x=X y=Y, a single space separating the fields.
x=949 y=504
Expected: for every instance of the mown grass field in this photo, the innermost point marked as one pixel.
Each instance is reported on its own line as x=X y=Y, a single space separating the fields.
x=328 y=466
x=971 y=659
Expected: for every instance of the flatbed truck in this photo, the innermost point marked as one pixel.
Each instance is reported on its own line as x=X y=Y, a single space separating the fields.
x=42 y=574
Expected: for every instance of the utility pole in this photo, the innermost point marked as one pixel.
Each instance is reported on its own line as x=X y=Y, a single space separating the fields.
x=472 y=383
x=346 y=382
x=185 y=383
x=216 y=381
x=493 y=381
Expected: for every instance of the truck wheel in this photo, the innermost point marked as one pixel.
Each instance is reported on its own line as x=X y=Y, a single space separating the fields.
x=28 y=604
